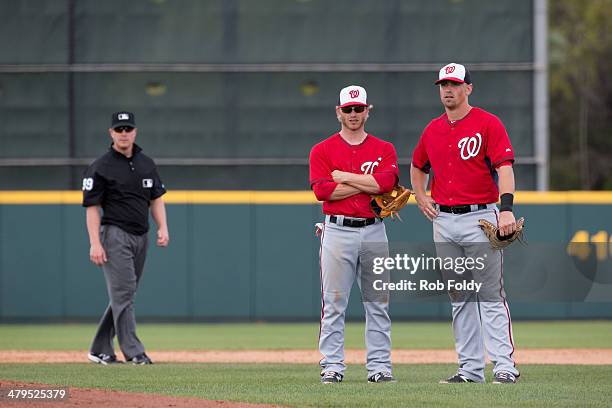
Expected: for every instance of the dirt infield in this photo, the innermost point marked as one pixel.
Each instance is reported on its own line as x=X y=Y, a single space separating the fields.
x=89 y=397
x=523 y=356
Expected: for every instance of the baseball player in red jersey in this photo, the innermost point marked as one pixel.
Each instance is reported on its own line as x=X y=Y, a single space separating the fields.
x=344 y=170
x=470 y=153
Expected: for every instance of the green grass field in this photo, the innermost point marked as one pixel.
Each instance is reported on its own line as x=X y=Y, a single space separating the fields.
x=297 y=385
x=562 y=334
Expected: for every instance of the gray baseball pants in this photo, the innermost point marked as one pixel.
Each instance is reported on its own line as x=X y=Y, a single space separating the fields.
x=344 y=252
x=484 y=323
x=126 y=255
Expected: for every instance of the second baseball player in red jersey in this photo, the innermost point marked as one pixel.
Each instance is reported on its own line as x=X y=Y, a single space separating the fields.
x=470 y=154
x=344 y=170
x=465 y=154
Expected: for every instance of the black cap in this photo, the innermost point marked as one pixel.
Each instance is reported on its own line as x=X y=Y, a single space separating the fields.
x=123 y=118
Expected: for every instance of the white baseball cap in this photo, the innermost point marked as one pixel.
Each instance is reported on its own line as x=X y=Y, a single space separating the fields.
x=353 y=95
x=454 y=72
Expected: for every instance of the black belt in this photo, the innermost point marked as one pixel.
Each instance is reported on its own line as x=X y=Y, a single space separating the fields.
x=461 y=209
x=352 y=222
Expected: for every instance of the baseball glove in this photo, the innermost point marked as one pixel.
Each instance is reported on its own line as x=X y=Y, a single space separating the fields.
x=497 y=241
x=389 y=204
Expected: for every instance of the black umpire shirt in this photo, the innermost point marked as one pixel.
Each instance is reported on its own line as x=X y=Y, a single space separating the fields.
x=124 y=187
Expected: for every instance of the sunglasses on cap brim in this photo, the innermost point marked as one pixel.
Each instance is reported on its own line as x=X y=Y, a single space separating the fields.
x=356 y=108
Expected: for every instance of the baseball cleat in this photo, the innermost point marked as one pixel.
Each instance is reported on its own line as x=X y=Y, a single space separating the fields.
x=457 y=379
x=504 y=377
x=104 y=359
x=141 y=359
x=383 y=376
x=331 y=377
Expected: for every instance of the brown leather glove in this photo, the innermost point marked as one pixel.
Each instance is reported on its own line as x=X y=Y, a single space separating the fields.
x=497 y=241
x=389 y=204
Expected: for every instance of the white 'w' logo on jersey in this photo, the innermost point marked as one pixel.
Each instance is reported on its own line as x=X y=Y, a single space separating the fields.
x=470 y=146
x=368 y=167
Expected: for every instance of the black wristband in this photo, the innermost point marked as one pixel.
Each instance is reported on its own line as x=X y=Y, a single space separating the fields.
x=507 y=199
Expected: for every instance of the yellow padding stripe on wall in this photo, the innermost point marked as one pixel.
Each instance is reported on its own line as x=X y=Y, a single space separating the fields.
x=285 y=197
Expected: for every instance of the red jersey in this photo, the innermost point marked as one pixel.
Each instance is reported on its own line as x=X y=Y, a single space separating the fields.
x=372 y=156
x=464 y=155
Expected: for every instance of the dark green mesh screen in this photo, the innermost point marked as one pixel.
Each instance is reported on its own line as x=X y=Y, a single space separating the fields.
x=255 y=112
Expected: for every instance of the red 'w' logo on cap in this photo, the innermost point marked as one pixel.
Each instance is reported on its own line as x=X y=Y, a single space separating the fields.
x=450 y=70
x=354 y=93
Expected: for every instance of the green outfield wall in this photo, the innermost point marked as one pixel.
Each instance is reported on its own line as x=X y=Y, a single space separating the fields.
x=247 y=255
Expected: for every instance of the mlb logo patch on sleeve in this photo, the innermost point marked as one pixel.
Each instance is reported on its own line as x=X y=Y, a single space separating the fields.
x=147 y=183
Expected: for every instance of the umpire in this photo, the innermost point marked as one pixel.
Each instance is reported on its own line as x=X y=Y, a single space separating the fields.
x=123 y=183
